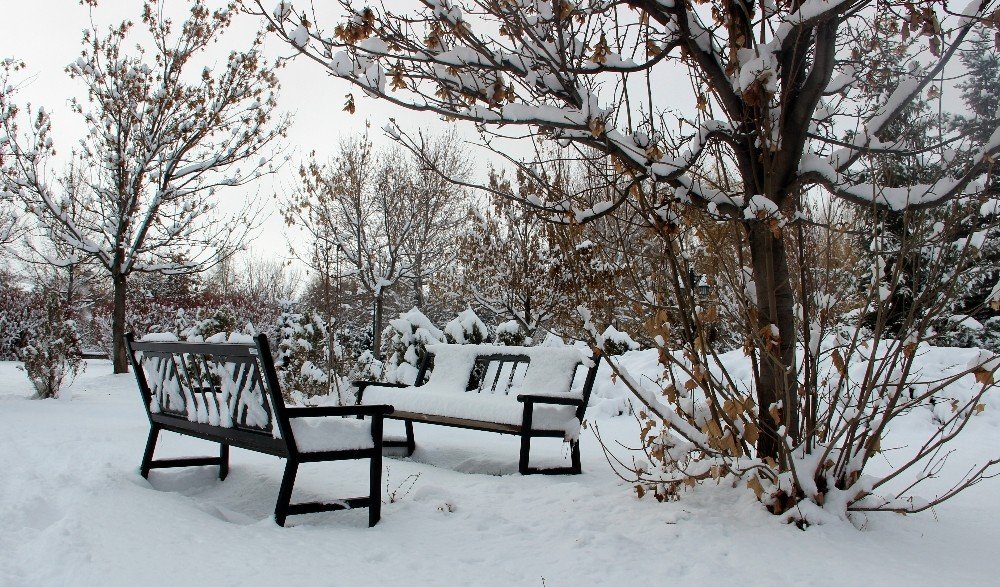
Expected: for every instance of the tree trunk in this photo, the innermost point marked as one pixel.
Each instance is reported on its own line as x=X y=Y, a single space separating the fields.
x=119 y=356
x=418 y=282
x=377 y=328
x=775 y=306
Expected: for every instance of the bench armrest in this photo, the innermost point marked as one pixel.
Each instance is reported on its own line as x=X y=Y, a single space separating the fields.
x=320 y=411
x=549 y=399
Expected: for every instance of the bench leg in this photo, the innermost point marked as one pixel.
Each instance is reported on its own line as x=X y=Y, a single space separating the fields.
x=285 y=492
x=224 y=465
x=522 y=465
x=411 y=445
x=147 y=456
x=375 y=475
x=575 y=455
x=529 y=410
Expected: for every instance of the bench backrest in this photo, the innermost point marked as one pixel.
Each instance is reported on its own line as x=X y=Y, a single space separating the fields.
x=506 y=370
x=229 y=387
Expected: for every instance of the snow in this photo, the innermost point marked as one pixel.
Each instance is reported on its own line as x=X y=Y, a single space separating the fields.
x=300 y=36
x=465 y=325
x=501 y=409
x=331 y=433
x=75 y=511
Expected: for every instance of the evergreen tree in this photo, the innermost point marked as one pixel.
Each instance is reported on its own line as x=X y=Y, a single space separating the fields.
x=467 y=328
x=981 y=86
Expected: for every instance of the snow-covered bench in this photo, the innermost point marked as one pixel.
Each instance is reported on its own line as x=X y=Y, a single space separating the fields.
x=526 y=391
x=228 y=393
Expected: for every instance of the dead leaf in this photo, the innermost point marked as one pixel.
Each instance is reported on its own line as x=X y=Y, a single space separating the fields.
x=838 y=362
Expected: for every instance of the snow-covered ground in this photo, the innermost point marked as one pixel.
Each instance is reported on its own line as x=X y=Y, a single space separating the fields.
x=74 y=511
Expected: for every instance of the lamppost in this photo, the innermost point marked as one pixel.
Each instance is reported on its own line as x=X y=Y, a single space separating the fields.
x=699 y=284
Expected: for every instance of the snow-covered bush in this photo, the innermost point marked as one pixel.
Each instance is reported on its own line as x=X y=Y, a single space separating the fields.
x=52 y=354
x=302 y=353
x=405 y=342
x=220 y=321
x=617 y=342
x=368 y=368
x=467 y=328
x=552 y=340
x=509 y=333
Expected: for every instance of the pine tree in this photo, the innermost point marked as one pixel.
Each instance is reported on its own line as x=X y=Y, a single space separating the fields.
x=981 y=86
x=405 y=343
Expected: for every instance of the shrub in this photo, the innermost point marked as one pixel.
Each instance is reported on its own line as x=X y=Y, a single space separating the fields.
x=510 y=334
x=20 y=314
x=302 y=353
x=405 y=342
x=52 y=355
x=467 y=328
x=616 y=342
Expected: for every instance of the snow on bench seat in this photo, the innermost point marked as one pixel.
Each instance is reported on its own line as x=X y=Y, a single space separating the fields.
x=499 y=409
x=331 y=434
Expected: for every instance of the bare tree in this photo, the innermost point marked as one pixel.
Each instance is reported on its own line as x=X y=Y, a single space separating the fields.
x=354 y=206
x=777 y=105
x=270 y=279
x=509 y=261
x=437 y=206
x=164 y=135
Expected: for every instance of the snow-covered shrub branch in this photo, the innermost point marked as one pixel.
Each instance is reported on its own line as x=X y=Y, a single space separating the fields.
x=10 y=225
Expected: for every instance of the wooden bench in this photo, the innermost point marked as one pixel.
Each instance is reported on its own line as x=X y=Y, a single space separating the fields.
x=228 y=393
x=525 y=391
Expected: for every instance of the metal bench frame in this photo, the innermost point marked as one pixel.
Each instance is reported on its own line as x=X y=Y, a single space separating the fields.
x=256 y=358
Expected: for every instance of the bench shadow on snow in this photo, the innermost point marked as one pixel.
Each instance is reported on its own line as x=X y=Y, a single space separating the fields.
x=475 y=452
x=248 y=494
